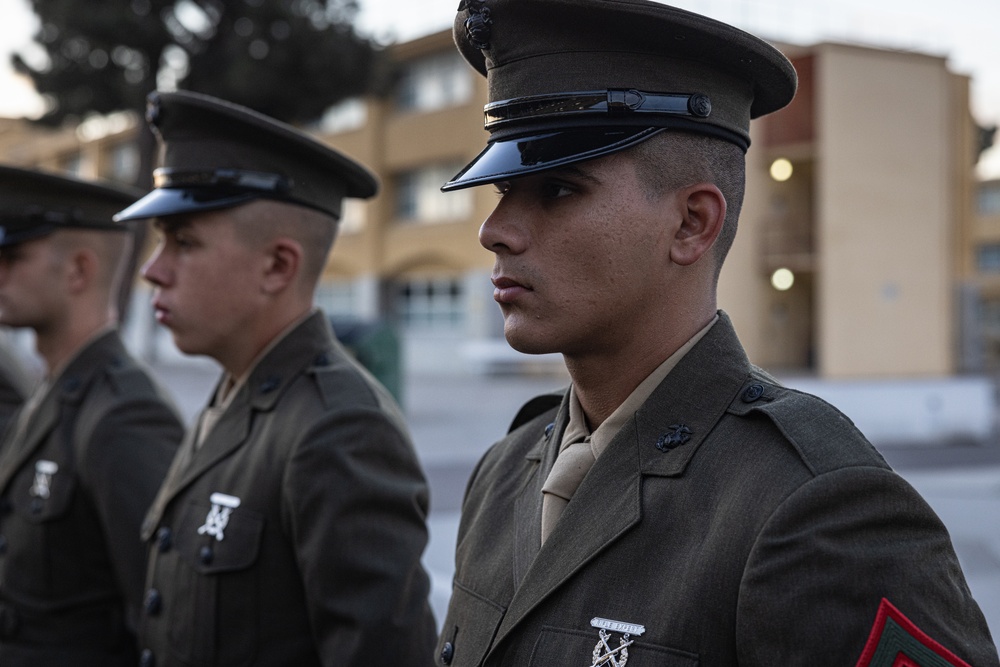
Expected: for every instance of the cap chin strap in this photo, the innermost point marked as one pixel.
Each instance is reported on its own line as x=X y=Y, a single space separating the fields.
x=234 y=178
x=49 y=219
x=613 y=104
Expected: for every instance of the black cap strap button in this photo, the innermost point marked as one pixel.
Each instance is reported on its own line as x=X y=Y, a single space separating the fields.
x=700 y=105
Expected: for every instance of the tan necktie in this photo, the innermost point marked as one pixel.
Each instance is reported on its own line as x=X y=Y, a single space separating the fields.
x=571 y=466
x=30 y=407
x=209 y=417
x=213 y=413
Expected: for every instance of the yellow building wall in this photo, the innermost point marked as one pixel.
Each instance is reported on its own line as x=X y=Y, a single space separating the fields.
x=884 y=208
x=743 y=286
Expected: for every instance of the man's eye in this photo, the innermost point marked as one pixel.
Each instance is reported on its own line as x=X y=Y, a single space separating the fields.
x=556 y=189
x=501 y=188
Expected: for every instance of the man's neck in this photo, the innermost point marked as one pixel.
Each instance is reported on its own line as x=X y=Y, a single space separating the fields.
x=60 y=344
x=244 y=359
x=603 y=381
x=602 y=384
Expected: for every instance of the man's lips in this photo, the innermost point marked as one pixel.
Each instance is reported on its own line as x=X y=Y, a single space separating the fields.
x=507 y=289
x=162 y=312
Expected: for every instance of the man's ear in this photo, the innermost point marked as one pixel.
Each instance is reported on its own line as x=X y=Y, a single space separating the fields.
x=283 y=265
x=703 y=210
x=81 y=269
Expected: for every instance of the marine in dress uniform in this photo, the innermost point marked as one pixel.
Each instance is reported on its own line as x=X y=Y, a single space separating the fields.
x=83 y=459
x=676 y=506
x=290 y=528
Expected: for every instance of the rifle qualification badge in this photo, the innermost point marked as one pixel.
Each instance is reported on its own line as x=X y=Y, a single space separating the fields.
x=606 y=656
x=218 y=517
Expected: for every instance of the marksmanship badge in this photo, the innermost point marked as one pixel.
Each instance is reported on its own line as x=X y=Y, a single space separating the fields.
x=618 y=656
x=218 y=517
x=43 y=478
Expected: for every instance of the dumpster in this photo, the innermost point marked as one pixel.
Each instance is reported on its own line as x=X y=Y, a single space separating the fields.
x=375 y=344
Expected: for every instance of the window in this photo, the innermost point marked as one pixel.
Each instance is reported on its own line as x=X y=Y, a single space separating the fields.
x=419 y=197
x=347 y=115
x=434 y=82
x=352 y=216
x=988 y=258
x=73 y=164
x=989 y=199
x=124 y=162
x=336 y=298
x=434 y=303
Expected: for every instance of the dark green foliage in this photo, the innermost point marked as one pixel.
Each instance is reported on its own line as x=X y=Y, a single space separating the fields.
x=290 y=59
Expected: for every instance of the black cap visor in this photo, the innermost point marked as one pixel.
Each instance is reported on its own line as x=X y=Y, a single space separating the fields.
x=11 y=236
x=175 y=201
x=510 y=158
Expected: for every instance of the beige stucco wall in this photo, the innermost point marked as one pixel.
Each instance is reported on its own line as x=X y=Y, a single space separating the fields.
x=883 y=213
x=742 y=283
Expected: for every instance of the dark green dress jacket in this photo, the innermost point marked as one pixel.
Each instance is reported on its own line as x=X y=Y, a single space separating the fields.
x=293 y=535
x=731 y=522
x=15 y=385
x=76 y=479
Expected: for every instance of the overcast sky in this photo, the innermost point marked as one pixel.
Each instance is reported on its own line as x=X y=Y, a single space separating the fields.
x=967 y=32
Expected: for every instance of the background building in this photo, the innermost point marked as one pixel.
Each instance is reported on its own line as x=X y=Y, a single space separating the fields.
x=861 y=251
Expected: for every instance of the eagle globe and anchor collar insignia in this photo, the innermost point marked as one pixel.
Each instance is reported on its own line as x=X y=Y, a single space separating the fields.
x=604 y=654
x=218 y=517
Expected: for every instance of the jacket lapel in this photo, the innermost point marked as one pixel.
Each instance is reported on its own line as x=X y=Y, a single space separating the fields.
x=267 y=381
x=695 y=395
x=606 y=505
x=21 y=441
x=528 y=504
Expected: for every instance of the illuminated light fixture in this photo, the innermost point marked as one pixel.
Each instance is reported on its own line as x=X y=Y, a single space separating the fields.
x=781 y=170
x=782 y=280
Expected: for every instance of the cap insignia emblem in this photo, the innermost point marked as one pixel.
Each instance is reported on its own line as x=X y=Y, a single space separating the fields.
x=606 y=656
x=479 y=25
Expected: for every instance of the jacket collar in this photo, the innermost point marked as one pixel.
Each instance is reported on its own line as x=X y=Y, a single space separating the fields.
x=303 y=346
x=659 y=440
x=27 y=433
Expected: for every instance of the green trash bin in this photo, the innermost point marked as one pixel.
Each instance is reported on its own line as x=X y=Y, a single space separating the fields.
x=375 y=345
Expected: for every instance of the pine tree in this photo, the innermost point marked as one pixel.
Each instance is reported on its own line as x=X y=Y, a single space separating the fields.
x=289 y=59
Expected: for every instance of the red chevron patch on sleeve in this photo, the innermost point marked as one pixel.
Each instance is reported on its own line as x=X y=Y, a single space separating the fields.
x=896 y=642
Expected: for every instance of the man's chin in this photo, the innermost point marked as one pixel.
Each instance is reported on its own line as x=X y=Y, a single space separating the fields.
x=186 y=346
x=526 y=344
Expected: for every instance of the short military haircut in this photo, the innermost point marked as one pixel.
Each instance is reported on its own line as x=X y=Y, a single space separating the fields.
x=673 y=160
x=110 y=247
x=264 y=220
